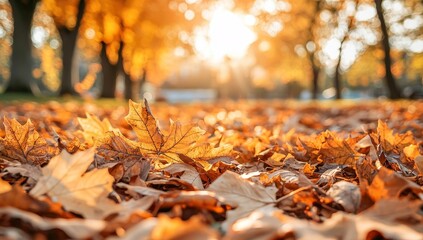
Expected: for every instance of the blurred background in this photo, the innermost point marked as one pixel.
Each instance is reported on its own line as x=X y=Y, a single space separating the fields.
x=185 y=50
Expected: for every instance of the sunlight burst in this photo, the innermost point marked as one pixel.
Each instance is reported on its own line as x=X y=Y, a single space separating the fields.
x=227 y=36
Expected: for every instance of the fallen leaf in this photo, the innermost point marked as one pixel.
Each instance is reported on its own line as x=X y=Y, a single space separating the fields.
x=64 y=180
x=242 y=194
x=74 y=228
x=187 y=173
x=23 y=143
x=195 y=199
x=174 y=229
x=180 y=139
x=419 y=163
x=397 y=210
x=347 y=194
x=17 y=197
x=389 y=184
x=335 y=150
x=4 y=186
x=140 y=231
x=94 y=128
x=389 y=141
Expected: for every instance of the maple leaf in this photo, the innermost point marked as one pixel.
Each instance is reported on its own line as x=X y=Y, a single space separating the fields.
x=388 y=184
x=180 y=139
x=242 y=194
x=24 y=144
x=389 y=141
x=115 y=147
x=64 y=181
x=330 y=149
x=94 y=128
x=389 y=147
x=335 y=150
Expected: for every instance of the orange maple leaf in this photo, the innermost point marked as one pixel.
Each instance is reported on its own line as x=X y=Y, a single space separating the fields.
x=180 y=139
x=24 y=144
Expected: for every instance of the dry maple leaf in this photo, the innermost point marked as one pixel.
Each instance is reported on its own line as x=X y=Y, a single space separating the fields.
x=330 y=149
x=389 y=141
x=94 y=128
x=64 y=180
x=180 y=139
x=242 y=194
x=389 y=184
x=115 y=147
x=335 y=150
x=24 y=144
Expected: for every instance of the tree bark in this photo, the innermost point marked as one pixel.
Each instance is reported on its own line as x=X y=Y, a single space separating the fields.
x=337 y=78
x=69 y=38
x=315 y=81
x=394 y=93
x=21 y=61
x=312 y=54
x=133 y=88
x=110 y=73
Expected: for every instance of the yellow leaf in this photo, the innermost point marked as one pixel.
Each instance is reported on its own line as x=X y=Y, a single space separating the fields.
x=94 y=128
x=64 y=180
x=145 y=126
x=389 y=141
x=179 y=140
x=24 y=144
x=4 y=186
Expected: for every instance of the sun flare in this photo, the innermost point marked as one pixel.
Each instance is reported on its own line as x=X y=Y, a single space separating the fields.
x=227 y=36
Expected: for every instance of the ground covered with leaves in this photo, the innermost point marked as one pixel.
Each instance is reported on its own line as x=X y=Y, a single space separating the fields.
x=232 y=170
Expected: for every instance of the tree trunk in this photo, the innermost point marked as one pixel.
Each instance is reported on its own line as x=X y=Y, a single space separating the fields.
x=110 y=72
x=129 y=84
x=133 y=88
x=21 y=61
x=337 y=78
x=394 y=93
x=69 y=38
x=315 y=82
x=312 y=53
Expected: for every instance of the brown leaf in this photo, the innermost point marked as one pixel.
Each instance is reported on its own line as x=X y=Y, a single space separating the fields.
x=335 y=150
x=23 y=143
x=396 y=210
x=114 y=147
x=64 y=181
x=347 y=194
x=242 y=194
x=177 y=229
x=195 y=199
x=74 y=228
x=389 y=184
x=187 y=173
x=16 y=197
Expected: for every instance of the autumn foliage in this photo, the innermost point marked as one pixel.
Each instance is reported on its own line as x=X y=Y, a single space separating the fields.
x=256 y=170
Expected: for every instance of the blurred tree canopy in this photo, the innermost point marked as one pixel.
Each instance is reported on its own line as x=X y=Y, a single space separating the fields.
x=74 y=46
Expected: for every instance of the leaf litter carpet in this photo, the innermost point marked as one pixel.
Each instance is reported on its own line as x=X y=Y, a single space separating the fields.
x=230 y=170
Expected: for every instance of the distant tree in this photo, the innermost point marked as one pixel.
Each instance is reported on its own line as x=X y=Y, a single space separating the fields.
x=346 y=19
x=67 y=15
x=21 y=60
x=394 y=92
